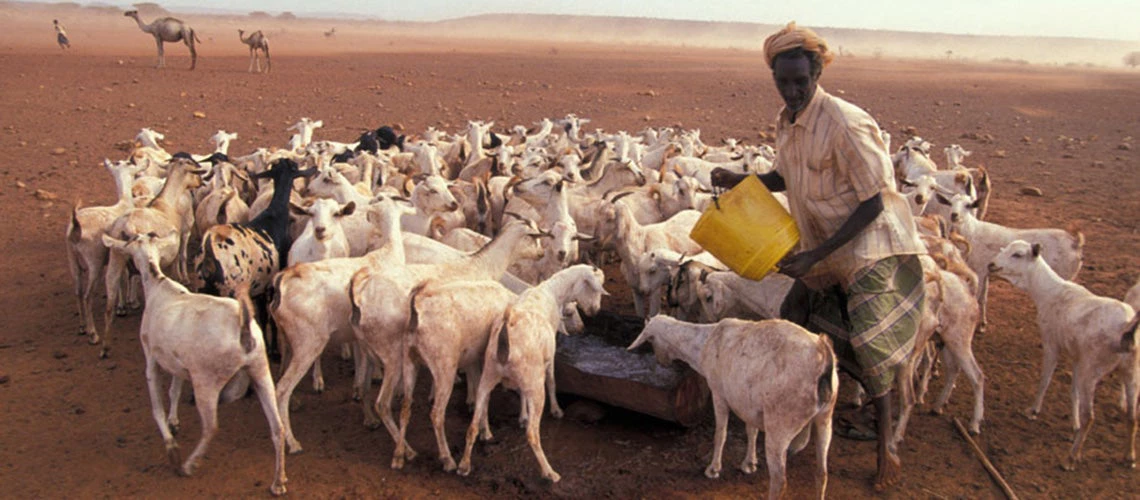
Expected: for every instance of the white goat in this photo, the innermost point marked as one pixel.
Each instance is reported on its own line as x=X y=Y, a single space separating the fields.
x=773 y=374
x=304 y=129
x=86 y=253
x=520 y=353
x=312 y=306
x=450 y=322
x=1061 y=249
x=1098 y=332
x=168 y=213
x=635 y=239
x=380 y=297
x=954 y=156
x=202 y=338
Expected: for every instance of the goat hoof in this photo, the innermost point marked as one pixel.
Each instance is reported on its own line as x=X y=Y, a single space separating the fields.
x=1069 y=465
x=105 y=353
x=173 y=428
x=294 y=448
x=448 y=464
x=1031 y=414
x=554 y=477
x=936 y=411
x=397 y=461
x=277 y=489
x=748 y=468
x=464 y=469
x=712 y=473
x=186 y=470
x=556 y=412
x=120 y=311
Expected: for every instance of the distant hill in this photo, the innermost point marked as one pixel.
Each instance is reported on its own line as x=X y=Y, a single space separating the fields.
x=554 y=29
x=750 y=36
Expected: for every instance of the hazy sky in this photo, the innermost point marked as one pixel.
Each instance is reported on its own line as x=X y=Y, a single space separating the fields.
x=1112 y=19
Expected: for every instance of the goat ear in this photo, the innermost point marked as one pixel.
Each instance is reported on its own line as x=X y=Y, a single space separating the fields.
x=941 y=199
x=297 y=209
x=348 y=209
x=906 y=182
x=975 y=204
x=111 y=242
x=1036 y=250
x=584 y=237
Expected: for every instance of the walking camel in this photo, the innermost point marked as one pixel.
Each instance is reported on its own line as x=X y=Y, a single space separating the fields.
x=168 y=29
x=256 y=41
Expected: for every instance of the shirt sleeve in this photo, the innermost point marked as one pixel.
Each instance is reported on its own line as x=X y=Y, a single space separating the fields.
x=862 y=154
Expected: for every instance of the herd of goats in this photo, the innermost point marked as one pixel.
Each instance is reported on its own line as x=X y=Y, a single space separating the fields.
x=471 y=251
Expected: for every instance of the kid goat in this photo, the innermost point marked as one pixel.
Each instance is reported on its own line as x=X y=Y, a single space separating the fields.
x=773 y=374
x=1098 y=332
x=202 y=338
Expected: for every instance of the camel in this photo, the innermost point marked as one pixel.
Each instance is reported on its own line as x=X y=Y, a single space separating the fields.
x=256 y=41
x=168 y=29
x=330 y=33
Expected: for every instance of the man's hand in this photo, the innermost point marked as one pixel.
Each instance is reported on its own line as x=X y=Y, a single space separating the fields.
x=726 y=179
x=797 y=265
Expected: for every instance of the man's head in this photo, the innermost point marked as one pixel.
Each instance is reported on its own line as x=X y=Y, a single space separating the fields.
x=797 y=57
x=796 y=72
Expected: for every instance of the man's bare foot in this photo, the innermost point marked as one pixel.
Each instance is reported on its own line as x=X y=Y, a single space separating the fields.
x=890 y=470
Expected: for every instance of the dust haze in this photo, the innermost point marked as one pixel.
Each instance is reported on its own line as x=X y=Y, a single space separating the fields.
x=28 y=26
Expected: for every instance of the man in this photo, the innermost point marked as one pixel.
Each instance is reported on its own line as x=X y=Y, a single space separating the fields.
x=60 y=35
x=858 y=275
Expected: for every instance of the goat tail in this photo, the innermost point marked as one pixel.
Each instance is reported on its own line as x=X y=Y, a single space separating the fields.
x=248 y=343
x=413 y=315
x=1075 y=230
x=503 y=345
x=1128 y=340
x=356 y=281
x=74 y=230
x=827 y=383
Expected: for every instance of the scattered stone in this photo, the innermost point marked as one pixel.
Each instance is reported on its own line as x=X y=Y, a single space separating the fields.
x=21 y=185
x=130 y=104
x=1098 y=164
x=1124 y=146
x=59 y=354
x=59 y=151
x=199 y=114
x=1068 y=155
x=125 y=145
x=1039 y=163
x=1031 y=191
x=78 y=410
x=910 y=130
x=4 y=379
x=1026 y=139
x=998 y=154
x=45 y=195
x=648 y=93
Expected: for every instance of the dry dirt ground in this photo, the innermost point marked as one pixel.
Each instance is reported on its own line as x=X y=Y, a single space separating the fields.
x=77 y=426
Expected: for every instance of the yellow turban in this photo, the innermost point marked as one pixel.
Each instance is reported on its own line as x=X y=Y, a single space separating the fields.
x=792 y=37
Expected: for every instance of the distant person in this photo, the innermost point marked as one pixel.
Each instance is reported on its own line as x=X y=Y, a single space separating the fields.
x=60 y=35
x=858 y=274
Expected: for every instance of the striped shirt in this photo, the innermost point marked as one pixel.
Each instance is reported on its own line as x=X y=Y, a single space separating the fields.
x=832 y=159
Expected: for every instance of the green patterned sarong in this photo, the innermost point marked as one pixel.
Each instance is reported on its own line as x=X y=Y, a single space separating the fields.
x=873 y=323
